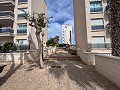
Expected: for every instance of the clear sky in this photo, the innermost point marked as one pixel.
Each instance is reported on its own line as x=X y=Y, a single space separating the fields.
x=62 y=13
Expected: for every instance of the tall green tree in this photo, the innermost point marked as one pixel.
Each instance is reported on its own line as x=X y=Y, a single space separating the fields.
x=53 y=41
x=115 y=26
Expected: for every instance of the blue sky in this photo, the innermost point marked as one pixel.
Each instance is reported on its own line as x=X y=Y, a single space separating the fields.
x=62 y=13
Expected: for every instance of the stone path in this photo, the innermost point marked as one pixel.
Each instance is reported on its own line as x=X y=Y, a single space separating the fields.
x=73 y=75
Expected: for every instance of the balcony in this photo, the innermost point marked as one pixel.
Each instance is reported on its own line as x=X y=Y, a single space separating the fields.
x=6 y=14
x=21 y=32
x=97 y=27
x=6 y=17
x=99 y=46
x=96 y=10
x=6 y=32
x=7 y=2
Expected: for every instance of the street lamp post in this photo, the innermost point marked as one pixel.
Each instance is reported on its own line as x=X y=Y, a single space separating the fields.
x=42 y=44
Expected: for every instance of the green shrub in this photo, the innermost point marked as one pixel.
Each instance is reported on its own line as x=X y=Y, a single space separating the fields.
x=7 y=47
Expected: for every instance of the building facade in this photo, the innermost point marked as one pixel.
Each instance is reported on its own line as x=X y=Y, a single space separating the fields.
x=67 y=34
x=17 y=26
x=90 y=23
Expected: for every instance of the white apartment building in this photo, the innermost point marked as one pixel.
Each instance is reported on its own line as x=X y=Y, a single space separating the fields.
x=67 y=34
x=90 y=23
x=14 y=27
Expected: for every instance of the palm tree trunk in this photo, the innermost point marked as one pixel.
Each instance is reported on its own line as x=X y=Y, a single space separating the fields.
x=40 y=59
x=115 y=27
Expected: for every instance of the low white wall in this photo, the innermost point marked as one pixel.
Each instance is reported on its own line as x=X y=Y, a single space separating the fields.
x=32 y=55
x=51 y=50
x=87 y=57
x=12 y=57
x=109 y=67
x=23 y=57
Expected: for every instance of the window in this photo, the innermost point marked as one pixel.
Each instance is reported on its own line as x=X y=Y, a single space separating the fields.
x=22 y=1
x=21 y=12
x=97 y=24
x=22 y=29
x=98 y=42
x=23 y=44
x=96 y=6
x=98 y=39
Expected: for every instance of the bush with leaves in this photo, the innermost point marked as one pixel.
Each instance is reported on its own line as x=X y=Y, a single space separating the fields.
x=53 y=41
x=7 y=47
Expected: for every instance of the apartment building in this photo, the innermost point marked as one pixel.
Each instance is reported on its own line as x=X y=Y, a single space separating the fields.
x=6 y=20
x=90 y=23
x=14 y=24
x=67 y=34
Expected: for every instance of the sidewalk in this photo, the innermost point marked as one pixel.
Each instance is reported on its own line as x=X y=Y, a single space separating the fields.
x=70 y=75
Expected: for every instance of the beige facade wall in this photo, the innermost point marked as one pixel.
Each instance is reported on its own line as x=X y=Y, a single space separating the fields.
x=33 y=6
x=6 y=21
x=109 y=67
x=82 y=23
x=20 y=21
x=41 y=8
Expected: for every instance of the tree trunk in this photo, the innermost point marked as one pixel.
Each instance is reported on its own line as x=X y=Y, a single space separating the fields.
x=115 y=27
x=40 y=61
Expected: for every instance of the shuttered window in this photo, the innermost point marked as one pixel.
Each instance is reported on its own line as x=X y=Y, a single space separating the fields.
x=98 y=40
x=97 y=24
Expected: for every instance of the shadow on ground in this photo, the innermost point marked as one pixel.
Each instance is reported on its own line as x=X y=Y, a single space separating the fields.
x=13 y=68
x=85 y=76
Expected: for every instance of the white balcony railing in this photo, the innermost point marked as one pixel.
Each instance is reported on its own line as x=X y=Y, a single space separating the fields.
x=6 y=14
x=99 y=45
x=7 y=1
x=7 y=30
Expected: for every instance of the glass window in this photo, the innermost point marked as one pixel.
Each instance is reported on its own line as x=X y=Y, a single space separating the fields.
x=21 y=12
x=22 y=1
x=23 y=44
x=98 y=42
x=22 y=29
x=96 y=6
x=100 y=39
x=97 y=24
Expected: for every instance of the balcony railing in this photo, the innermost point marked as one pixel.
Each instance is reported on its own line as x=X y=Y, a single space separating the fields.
x=22 y=31
x=6 y=31
x=99 y=46
x=97 y=27
x=6 y=14
x=96 y=9
x=3 y=1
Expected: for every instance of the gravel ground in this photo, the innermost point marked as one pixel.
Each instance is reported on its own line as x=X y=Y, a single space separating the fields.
x=73 y=75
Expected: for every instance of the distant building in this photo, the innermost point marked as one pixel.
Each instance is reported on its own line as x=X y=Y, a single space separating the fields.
x=66 y=34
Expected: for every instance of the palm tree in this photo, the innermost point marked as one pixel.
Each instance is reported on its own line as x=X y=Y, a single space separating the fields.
x=115 y=26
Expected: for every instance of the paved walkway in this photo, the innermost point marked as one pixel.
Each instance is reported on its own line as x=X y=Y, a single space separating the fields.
x=73 y=75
